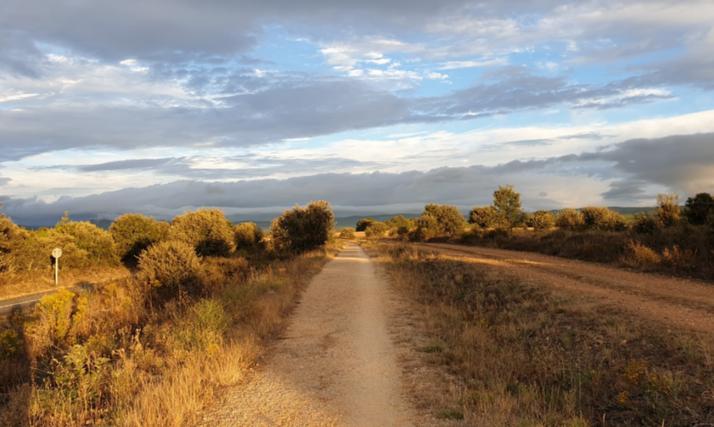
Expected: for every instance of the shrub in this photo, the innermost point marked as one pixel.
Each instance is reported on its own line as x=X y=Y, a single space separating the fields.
x=541 y=220
x=399 y=221
x=133 y=233
x=602 y=219
x=425 y=228
x=11 y=237
x=699 y=209
x=97 y=243
x=347 y=233
x=207 y=230
x=570 y=219
x=449 y=221
x=363 y=223
x=248 y=237
x=484 y=217
x=376 y=230
x=301 y=229
x=668 y=212
x=646 y=224
x=168 y=269
x=507 y=203
x=640 y=256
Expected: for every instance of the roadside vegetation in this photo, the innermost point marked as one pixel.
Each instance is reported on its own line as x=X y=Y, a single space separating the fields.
x=516 y=354
x=672 y=239
x=153 y=348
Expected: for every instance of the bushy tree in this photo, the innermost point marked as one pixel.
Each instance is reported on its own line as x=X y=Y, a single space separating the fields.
x=347 y=233
x=570 y=219
x=169 y=268
x=484 y=217
x=11 y=238
x=207 y=230
x=507 y=203
x=699 y=209
x=398 y=221
x=97 y=243
x=133 y=233
x=248 y=237
x=599 y=218
x=668 y=212
x=363 y=223
x=376 y=230
x=301 y=229
x=449 y=221
x=541 y=220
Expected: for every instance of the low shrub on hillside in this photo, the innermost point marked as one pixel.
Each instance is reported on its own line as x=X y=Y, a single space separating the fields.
x=133 y=233
x=169 y=269
x=598 y=218
x=376 y=230
x=540 y=220
x=570 y=219
x=207 y=230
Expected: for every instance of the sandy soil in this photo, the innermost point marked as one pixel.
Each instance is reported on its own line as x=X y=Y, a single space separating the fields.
x=671 y=301
x=336 y=363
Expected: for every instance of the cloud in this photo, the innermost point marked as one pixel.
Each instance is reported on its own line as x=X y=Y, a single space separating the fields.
x=684 y=164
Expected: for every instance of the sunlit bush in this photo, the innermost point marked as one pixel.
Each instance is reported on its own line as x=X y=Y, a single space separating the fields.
x=300 y=229
x=484 y=217
x=133 y=233
x=541 y=220
x=347 y=233
x=599 y=218
x=248 y=237
x=570 y=219
x=207 y=230
x=376 y=230
x=168 y=269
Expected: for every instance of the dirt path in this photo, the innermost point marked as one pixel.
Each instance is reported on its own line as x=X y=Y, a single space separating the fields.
x=335 y=365
x=672 y=301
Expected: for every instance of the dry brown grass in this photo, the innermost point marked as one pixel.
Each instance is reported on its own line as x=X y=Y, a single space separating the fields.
x=14 y=285
x=521 y=355
x=100 y=358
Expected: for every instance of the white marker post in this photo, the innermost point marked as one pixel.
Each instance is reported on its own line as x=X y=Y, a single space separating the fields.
x=56 y=254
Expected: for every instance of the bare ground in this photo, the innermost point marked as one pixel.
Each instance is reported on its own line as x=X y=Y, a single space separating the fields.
x=676 y=302
x=336 y=363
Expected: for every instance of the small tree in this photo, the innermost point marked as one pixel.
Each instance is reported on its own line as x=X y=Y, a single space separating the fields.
x=301 y=229
x=347 y=233
x=363 y=223
x=98 y=243
x=449 y=221
x=668 y=212
x=541 y=220
x=207 y=230
x=699 y=209
x=399 y=221
x=507 y=203
x=570 y=219
x=133 y=233
x=426 y=227
x=484 y=217
x=248 y=236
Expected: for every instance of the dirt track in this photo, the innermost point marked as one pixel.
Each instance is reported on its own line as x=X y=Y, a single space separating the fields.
x=671 y=301
x=336 y=363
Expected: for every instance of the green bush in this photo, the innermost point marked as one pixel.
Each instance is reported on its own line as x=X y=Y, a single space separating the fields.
x=449 y=221
x=668 y=212
x=97 y=243
x=598 y=218
x=570 y=219
x=302 y=229
x=207 y=230
x=347 y=233
x=248 y=237
x=484 y=217
x=541 y=220
x=425 y=228
x=11 y=238
x=363 y=223
x=133 y=233
x=376 y=230
x=168 y=269
x=399 y=221
x=646 y=224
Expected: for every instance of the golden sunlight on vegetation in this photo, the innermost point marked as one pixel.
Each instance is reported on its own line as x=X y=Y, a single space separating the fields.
x=153 y=348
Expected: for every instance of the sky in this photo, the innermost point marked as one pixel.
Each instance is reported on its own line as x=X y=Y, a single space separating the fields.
x=381 y=106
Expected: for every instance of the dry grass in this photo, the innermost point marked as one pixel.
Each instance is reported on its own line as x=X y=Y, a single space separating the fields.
x=102 y=358
x=13 y=285
x=521 y=355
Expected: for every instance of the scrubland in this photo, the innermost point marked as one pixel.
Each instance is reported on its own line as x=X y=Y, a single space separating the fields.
x=153 y=348
x=513 y=353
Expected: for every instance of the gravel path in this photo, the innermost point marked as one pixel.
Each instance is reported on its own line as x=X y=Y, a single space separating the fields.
x=336 y=363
